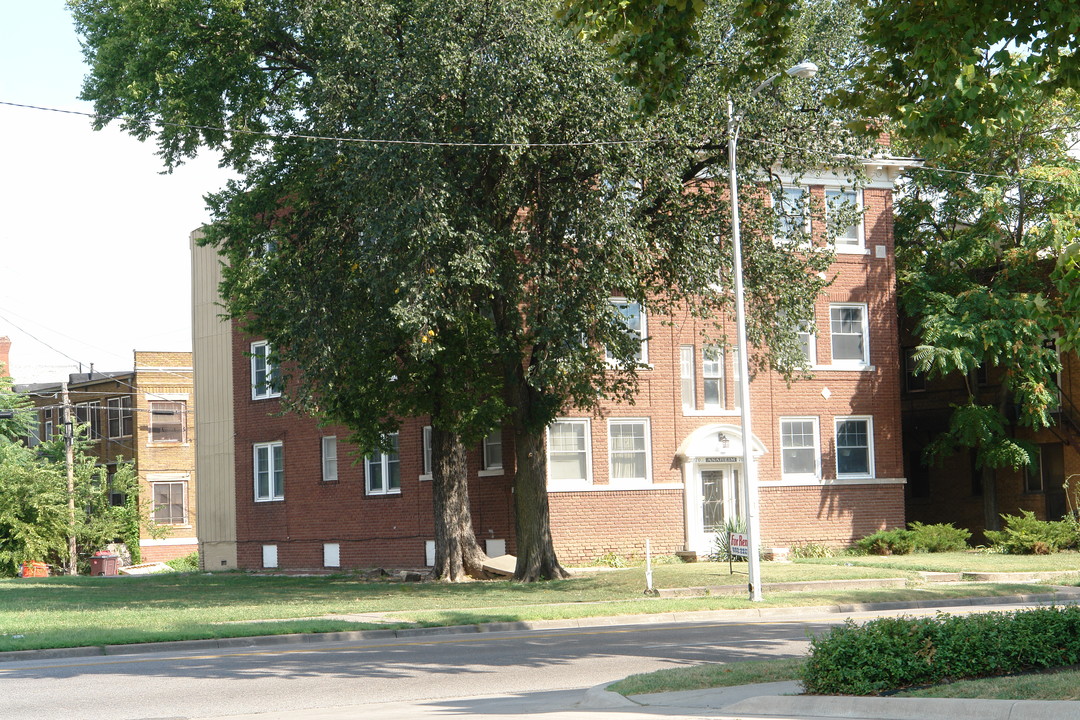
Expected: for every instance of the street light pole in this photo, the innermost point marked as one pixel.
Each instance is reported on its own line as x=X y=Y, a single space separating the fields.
x=749 y=479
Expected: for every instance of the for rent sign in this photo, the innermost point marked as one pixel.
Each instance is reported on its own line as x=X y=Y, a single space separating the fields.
x=739 y=544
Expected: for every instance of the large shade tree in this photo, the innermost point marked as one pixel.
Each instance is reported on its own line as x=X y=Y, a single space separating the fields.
x=439 y=200
x=987 y=265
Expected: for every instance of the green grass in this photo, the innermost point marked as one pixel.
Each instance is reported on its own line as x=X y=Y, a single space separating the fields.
x=71 y=612
x=958 y=562
x=1063 y=684
x=710 y=675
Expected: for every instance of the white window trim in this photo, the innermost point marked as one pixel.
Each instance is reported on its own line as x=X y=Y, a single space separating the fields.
x=706 y=407
x=631 y=482
x=864 y=363
x=183 y=480
x=870 y=446
x=384 y=464
x=185 y=438
x=687 y=373
x=644 y=332
x=779 y=239
x=116 y=405
x=816 y=474
x=269 y=391
x=487 y=469
x=576 y=482
x=270 y=458
x=425 y=453
x=324 y=441
x=810 y=330
x=844 y=249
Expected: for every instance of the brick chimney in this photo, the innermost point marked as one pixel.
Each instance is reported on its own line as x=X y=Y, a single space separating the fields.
x=5 y=346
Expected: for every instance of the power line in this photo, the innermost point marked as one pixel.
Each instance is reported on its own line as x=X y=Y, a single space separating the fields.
x=333 y=138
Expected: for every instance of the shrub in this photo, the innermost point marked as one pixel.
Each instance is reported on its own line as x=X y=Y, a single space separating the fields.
x=810 y=550
x=943 y=537
x=893 y=653
x=188 y=563
x=1025 y=534
x=722 y=549
x=611 y=560
x=888 y=542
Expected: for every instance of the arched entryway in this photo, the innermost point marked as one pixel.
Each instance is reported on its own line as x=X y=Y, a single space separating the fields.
x=712 y=467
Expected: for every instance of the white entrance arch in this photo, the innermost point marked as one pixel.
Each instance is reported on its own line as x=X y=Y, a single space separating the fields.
x=712 y=467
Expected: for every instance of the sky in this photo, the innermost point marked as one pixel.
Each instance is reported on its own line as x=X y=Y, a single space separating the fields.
x=94 y=250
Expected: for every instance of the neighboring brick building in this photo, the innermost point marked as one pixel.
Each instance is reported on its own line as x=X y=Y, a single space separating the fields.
x=665 y=468
x=953 y=491
x=144 y=415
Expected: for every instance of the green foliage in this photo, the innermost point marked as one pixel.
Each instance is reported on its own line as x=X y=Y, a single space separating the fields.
x=892 y=653
x=722 y=546
x=1024 y=534
x=454 y=267
x=945 y=68
x=610 y=559
x=942 y=537
x=188 y=563
x=33 y=509
x=888 y=542
x=802 y=551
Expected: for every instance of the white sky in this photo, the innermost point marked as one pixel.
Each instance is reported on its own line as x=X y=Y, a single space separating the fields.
x=94 y=257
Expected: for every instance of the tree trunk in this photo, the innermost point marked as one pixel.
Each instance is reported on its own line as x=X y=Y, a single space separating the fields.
x=991 y=518
x=457 y=552
x=532 y=519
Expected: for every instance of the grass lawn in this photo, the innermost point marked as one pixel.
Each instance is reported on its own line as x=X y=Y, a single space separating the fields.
x=961 y=562
x=1063 y=684
x=72 y=612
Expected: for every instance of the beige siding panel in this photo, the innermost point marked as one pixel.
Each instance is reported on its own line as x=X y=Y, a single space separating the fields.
x=214 y=420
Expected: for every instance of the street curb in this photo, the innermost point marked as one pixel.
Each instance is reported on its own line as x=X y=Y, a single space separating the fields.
x=234 y=643
x=877 y=708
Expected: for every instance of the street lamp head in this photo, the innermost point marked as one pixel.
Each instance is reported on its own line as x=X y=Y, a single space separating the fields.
x=803 y=70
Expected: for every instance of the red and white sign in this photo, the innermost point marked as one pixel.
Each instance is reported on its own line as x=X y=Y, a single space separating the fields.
x=739 y=544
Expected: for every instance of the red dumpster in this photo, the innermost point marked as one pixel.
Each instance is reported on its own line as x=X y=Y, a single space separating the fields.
x=35 y=569
x=103 y=563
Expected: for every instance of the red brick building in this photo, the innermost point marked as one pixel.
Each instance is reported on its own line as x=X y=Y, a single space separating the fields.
x=665 y=469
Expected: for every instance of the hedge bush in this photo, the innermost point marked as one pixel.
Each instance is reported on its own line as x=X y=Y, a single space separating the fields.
x=893 y=653
x=943 y=537
x=888 y=542
x=1025 y=534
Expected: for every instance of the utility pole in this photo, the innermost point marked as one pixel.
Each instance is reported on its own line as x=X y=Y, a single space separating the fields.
x=69 y=462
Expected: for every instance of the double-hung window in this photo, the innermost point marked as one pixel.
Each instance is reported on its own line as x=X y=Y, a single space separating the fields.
x=269 y=471
x=265 y=375
x=849 y=332
x=569 y=451
x=329 y=459
x=800 y=456
x=807 y=341
x=844 y=203
x=712 y=376
x=789 y=204
x=89 y=415
x=632 y=317
x=383 y=470
x=170 y=502
x=687 y=384
x=492 y=452
x=628 y=450
x=119 y=414
x=168 y=421
x=854 y=447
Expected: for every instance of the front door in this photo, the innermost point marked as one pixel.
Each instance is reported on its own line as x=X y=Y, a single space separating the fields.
x=720 y=500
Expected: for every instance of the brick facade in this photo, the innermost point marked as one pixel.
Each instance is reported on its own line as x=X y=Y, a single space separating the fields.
x=600 y=514
x=159 y=386
x=952 y=491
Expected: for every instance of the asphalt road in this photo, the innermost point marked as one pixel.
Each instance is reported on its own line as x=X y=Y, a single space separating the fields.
x=458 y=673
x=489 y=674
